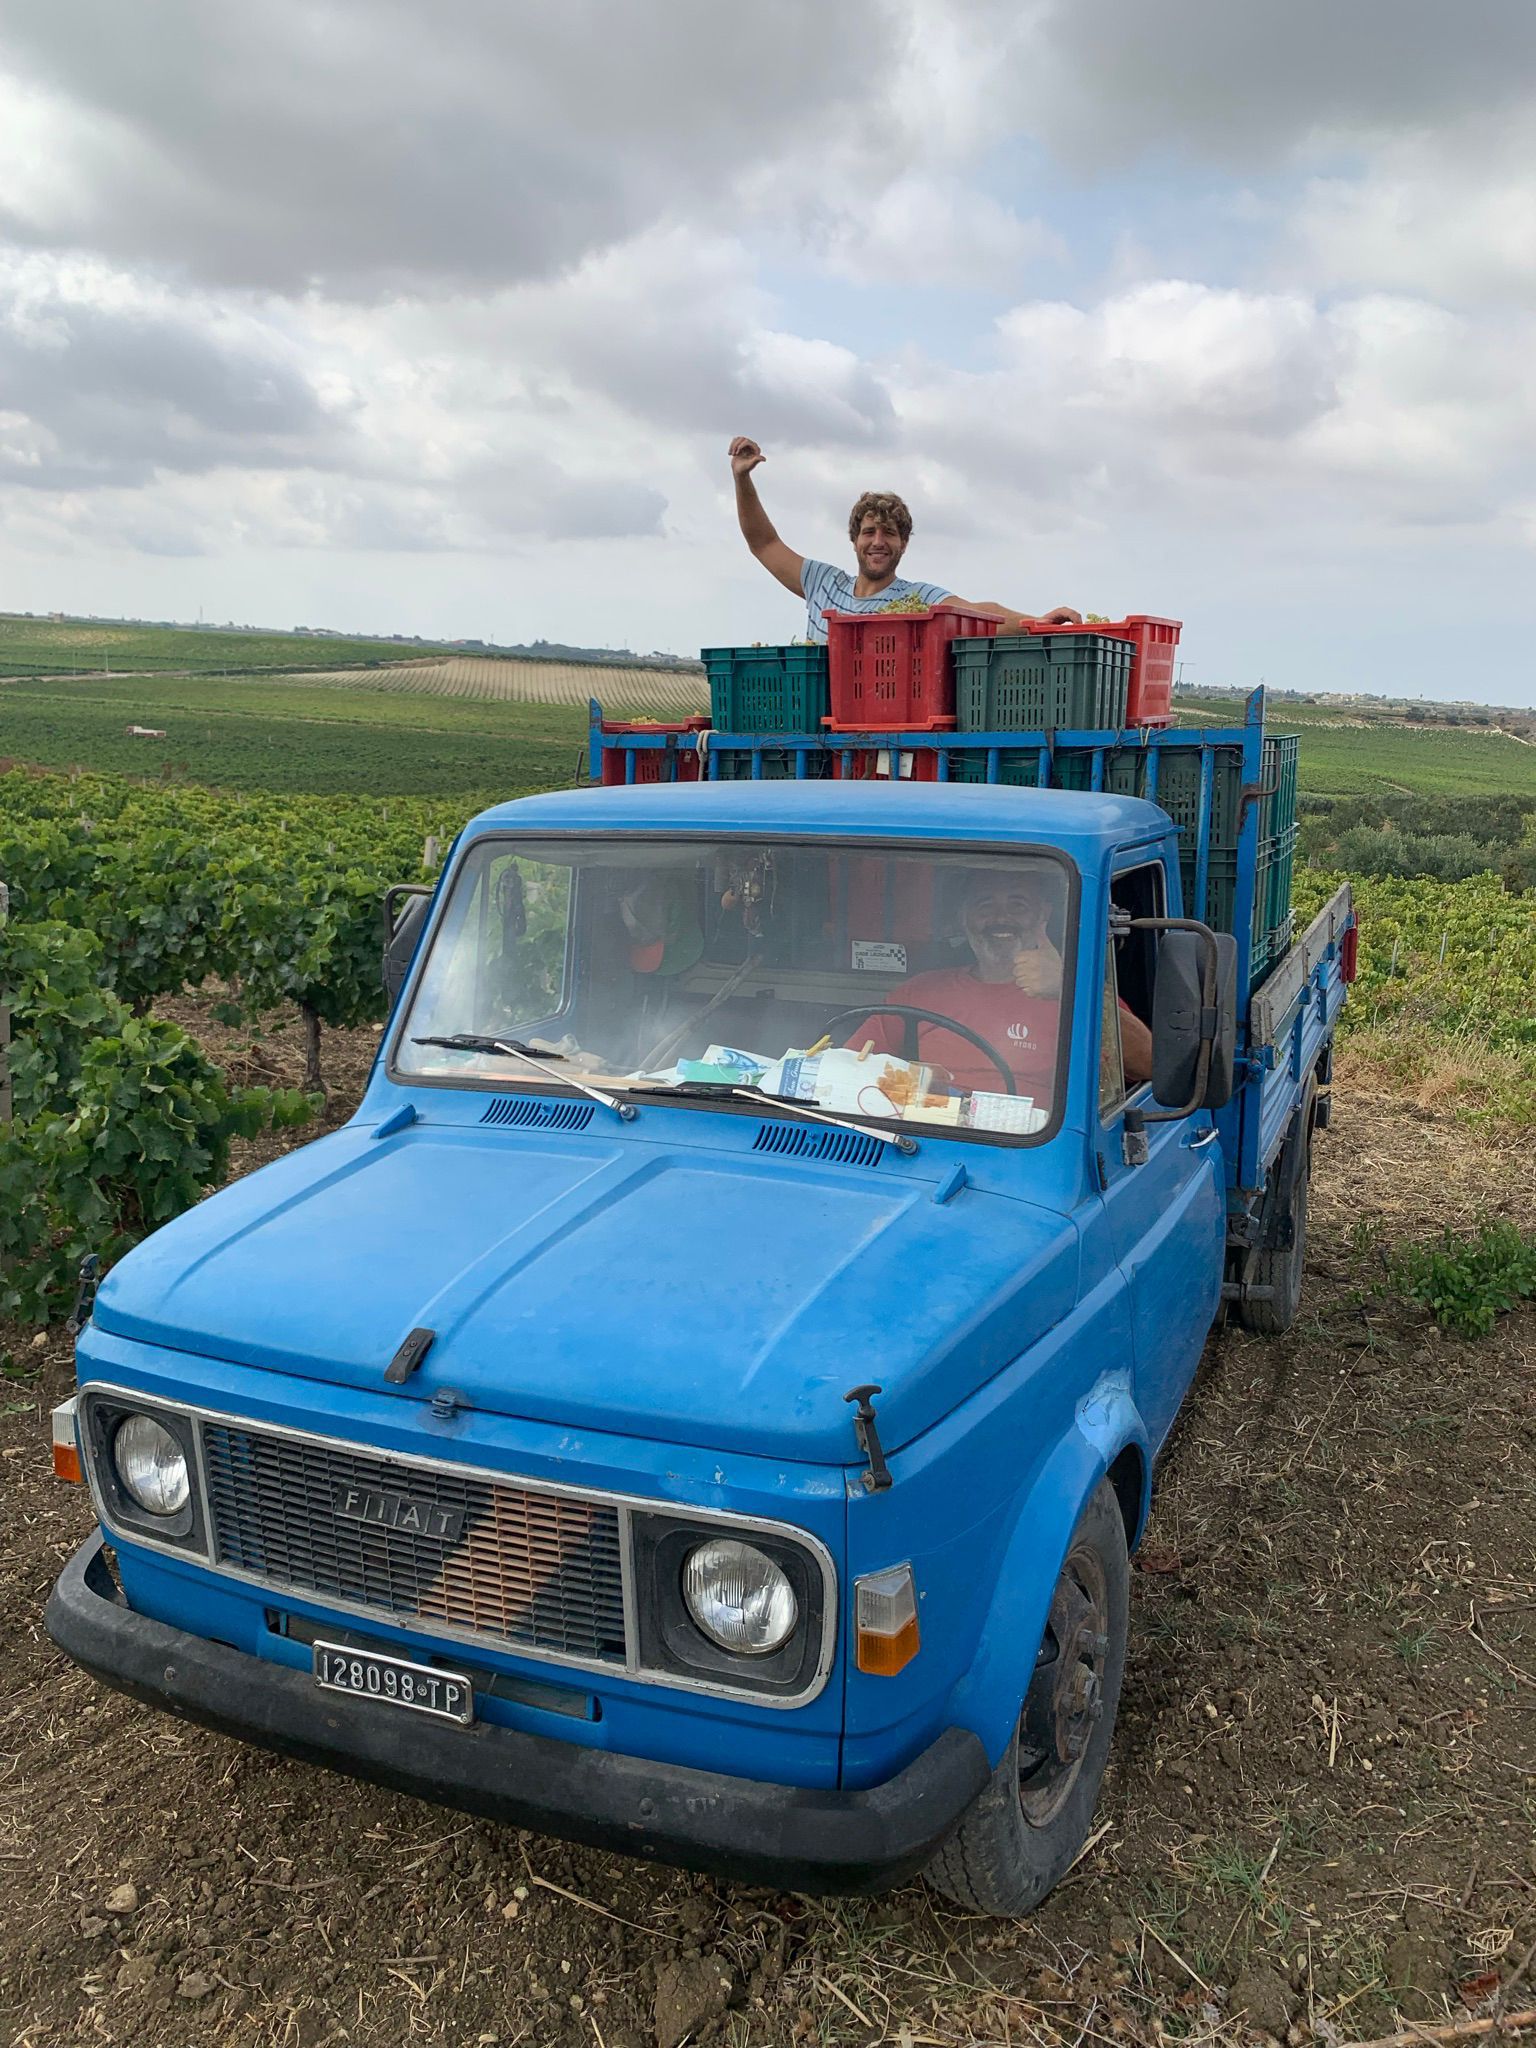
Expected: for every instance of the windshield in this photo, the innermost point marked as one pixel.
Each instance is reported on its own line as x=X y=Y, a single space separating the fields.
x=887 y=986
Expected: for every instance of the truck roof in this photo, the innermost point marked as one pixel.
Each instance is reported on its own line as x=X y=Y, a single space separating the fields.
x=1079 y=823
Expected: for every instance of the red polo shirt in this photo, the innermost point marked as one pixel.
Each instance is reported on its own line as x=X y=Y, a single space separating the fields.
x=1022 y=1029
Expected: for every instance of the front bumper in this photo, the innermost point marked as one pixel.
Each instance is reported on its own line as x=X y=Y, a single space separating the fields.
x=782 y=1835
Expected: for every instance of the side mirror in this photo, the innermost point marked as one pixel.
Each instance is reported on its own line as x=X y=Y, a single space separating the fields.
x=1194 y=1018
x=405 y=912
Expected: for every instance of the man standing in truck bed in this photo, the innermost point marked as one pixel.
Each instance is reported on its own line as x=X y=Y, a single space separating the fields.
x=879 y=527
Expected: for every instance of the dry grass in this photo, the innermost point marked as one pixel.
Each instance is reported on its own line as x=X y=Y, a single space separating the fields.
x=1444 y=1071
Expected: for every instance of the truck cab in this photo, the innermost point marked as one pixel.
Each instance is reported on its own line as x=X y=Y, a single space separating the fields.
x=704 y=1400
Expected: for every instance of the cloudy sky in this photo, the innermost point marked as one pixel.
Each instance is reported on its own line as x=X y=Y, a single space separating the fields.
x=438 y=319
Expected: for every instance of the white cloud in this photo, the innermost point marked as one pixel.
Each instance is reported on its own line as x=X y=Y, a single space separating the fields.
x=1452 y=215
x=291 y=292
x=930 y=232
x=370 y=145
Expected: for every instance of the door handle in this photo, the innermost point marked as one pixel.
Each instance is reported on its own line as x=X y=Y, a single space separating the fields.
x=1205 y=1137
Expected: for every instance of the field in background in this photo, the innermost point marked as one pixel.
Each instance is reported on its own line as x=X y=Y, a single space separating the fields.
x=645 y=693
x=289 y=737
x=68 y=646
x=1346 y=754
x=467 y=725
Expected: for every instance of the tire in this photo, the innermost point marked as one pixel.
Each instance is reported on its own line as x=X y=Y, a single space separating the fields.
x=1022 y=1834
x=1280 y=1267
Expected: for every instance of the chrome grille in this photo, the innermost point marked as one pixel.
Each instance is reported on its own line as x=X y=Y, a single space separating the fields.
x=534 y=1570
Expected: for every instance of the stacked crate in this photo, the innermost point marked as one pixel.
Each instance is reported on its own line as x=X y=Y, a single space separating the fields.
x=675 y=760
x=766 y=689
x=1042 y=682
x=895 y=671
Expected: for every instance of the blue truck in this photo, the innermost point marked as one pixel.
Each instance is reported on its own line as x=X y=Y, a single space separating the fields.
x=704 y=1401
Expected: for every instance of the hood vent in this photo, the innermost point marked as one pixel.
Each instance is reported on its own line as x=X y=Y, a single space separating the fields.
x=525 y=1111
x=804 y=1141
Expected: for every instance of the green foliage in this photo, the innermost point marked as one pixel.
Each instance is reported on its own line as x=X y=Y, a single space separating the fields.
x=1460 y=957
x=281 y=900
x=119 y=1122
x=1443 y=996
x=1444 y=838
x=1469 y=1281
x=50 y=977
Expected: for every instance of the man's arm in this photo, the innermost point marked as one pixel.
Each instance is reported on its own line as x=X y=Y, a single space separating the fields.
x=757 y=529
x=1061 y=615
x=1135 y=1048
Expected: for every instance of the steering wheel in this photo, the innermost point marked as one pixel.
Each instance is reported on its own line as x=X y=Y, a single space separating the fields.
x=914 y=1017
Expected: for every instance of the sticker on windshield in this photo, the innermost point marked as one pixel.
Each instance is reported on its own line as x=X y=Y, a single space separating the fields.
x=1016 y=1114
x=879 y=956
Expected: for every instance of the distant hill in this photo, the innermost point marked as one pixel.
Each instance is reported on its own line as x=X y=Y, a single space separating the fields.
x=60 y=643
x=607 y=657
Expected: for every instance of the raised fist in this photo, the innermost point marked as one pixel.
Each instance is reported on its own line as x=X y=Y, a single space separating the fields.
x=745 y=456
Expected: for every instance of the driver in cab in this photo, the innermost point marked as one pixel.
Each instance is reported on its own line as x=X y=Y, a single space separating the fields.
x=1010 y=994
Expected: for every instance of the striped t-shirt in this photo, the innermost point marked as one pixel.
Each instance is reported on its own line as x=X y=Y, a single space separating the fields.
x=828 y=588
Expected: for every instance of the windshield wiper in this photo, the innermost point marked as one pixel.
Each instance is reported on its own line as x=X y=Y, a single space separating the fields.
x=472 y=1041
x=723 y=1091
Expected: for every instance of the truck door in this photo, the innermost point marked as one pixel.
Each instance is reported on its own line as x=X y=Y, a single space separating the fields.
x=1167 y=1216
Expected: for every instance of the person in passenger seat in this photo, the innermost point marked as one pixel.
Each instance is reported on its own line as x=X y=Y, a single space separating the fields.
x=1010 y=994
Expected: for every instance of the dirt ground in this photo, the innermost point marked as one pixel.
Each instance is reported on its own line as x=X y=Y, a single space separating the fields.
x=1319 y=1821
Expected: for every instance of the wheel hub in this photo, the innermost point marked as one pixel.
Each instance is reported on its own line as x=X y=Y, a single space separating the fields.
x=1066 y=1696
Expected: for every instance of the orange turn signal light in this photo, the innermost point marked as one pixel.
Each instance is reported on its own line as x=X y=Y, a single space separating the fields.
x=66 y=1445
x=885 y=1621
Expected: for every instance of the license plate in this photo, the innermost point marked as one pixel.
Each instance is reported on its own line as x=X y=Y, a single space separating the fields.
x=394 y=1680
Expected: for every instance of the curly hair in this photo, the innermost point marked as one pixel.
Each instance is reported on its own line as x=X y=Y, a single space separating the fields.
x=887 y=508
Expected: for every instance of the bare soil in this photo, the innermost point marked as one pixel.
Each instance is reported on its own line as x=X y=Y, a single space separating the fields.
x=1320 y=1818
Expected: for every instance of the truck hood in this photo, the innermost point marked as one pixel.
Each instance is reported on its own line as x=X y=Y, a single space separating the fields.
x=727 y=1300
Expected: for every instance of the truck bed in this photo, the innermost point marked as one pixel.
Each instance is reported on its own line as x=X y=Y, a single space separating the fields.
x=1291 y=1020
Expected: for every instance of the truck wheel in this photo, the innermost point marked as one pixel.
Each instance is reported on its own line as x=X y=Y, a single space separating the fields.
x=1279 y=1267
x=1020 y=1837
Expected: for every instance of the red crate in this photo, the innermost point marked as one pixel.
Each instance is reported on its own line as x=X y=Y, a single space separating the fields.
x=1153 y=641
x=654 y=764
x=892 y=670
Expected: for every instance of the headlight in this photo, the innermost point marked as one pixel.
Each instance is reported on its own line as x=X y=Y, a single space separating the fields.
x=739 y=1597
x=151 y=1465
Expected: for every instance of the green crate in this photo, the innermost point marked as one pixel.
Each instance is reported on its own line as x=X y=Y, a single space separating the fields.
x=1125 y=770
x=1277 y=861
x=1038 y=682
x=1071 y=768
x=1272 y=948
x=778 y=764
x=1272 y=922
x=1017 y=766
x=1277 y=810
x=767 y=689
x=1178 y=792
x=1221 y=887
